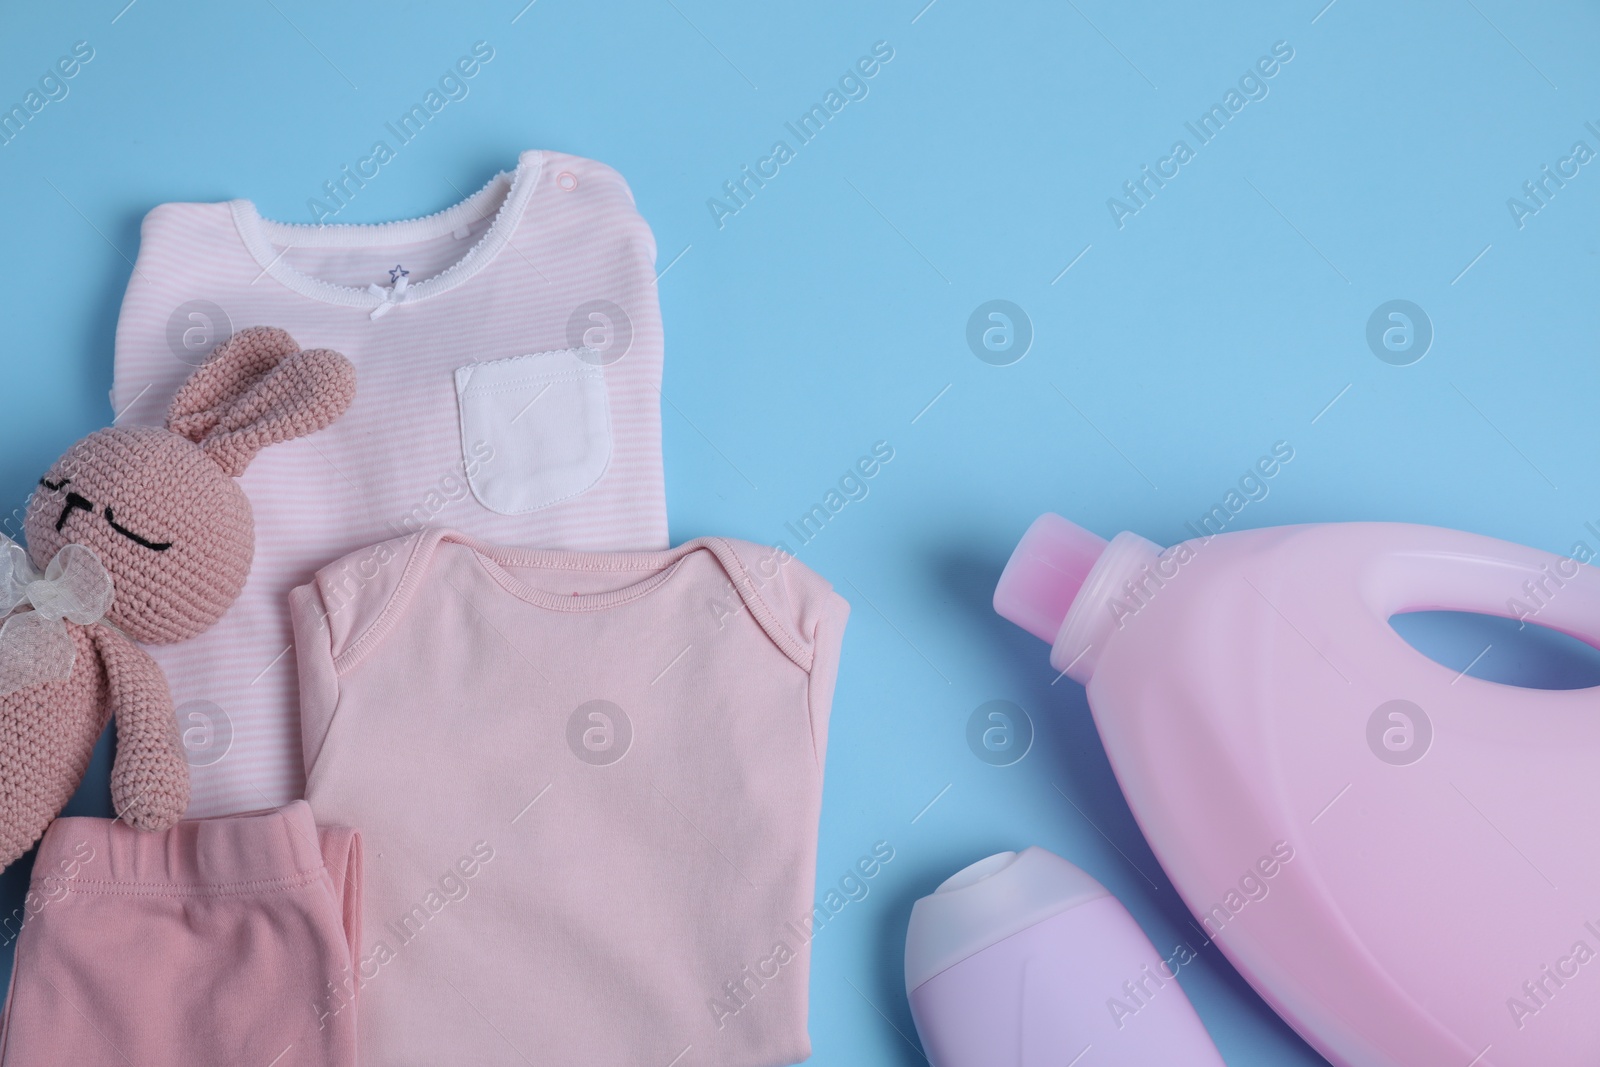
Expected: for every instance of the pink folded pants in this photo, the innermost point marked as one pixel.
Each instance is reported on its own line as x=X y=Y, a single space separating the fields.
x=220 y=941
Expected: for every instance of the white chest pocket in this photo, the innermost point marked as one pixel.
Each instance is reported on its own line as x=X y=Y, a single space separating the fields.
x=548 y=422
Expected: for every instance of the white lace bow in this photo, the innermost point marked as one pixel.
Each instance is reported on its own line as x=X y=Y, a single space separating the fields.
x=35 y=646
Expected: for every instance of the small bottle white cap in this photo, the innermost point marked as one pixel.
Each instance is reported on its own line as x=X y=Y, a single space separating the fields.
x=987 y=902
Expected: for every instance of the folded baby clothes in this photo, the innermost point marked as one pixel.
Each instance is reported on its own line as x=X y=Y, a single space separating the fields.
x=219 y=941
x=508 y=352
x=589 y=786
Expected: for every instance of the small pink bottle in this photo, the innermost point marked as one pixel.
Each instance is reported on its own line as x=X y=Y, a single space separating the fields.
x=1402 y=858
x=1024 y=960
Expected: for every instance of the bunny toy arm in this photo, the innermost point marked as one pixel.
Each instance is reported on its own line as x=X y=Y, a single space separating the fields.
x=150 y=777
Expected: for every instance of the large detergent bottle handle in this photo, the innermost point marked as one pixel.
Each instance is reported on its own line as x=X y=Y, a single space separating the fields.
x=1449 y=570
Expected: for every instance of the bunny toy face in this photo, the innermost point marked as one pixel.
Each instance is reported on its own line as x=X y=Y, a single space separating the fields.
x=172 y=528
x=160 y=506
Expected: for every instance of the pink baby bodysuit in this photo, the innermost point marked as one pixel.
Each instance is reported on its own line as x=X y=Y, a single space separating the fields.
x=588 y=784
x=508 y=363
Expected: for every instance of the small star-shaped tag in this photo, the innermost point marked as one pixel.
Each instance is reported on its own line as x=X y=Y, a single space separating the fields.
x=398 y=273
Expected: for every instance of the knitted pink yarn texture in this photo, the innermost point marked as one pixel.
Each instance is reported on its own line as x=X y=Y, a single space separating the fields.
x=161 y=509
x=43 y=754
x=260 y=389
x=150 y=775
x=168 y=491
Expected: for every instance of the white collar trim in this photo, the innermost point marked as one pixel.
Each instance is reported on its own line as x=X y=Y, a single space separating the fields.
x=267 y=240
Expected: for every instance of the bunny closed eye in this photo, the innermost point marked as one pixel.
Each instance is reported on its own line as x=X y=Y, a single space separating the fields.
x=158 y=546
x=76 y=502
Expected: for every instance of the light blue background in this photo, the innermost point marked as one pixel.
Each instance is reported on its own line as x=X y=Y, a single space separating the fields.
x=1226 y=315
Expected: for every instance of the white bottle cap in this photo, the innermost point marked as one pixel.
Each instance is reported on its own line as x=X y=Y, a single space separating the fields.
x=986 y=903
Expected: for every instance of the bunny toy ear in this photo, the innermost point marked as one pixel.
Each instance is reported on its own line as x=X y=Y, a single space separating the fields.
x=259 y=389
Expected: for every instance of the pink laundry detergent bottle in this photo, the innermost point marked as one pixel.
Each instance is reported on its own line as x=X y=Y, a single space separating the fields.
x=1403 y=859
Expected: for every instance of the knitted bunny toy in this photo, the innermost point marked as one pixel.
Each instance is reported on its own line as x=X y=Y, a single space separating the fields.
x=143 y=536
